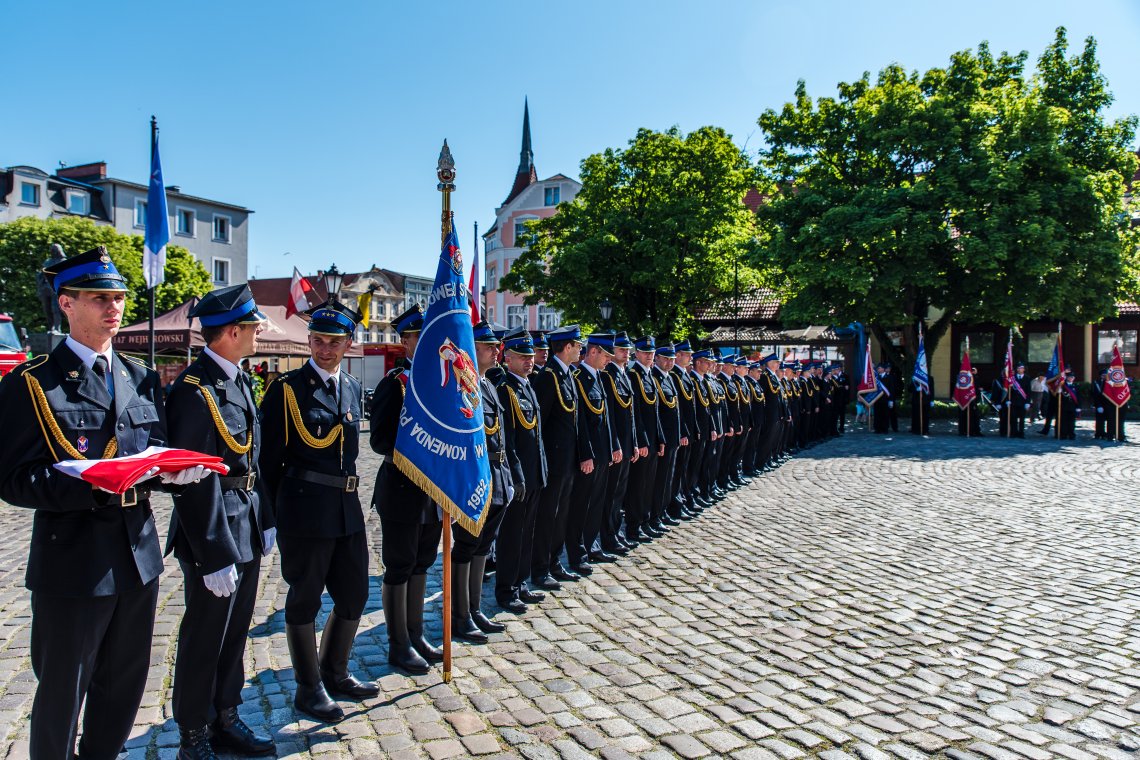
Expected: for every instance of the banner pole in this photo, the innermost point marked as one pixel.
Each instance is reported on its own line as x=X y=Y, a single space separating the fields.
x=1059 y=411
x=969 y=427
x=445 y=171
x=921 y=403
x=1116 y=427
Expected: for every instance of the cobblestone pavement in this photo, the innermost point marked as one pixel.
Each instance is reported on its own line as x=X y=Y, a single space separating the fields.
x=878 y=596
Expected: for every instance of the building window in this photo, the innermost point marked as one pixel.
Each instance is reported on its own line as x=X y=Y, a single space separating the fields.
x=517 y=317
x=221 y=228
x=492 y=280
x=491 y=314
x=1125 y=340
x=1041 y=345
x=140 y=213
x=184 y=220
x=981 y=347
x=221 y=271
x=548 y=317
x=29 y=194
x=78 y=203
x=522 y=234
x=552 y=196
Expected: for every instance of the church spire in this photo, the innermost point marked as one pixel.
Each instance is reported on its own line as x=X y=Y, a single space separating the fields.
x=526 y=175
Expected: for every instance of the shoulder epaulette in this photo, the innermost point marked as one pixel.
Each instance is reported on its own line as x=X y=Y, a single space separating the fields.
x=31 y=364
x=136 y=360
x=394 y=371
x=191 y=379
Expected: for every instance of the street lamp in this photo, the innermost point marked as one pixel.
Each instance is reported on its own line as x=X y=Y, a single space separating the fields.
x=333 y=279
x=607 y=309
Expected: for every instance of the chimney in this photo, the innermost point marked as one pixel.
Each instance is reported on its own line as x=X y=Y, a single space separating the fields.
x=97 y=170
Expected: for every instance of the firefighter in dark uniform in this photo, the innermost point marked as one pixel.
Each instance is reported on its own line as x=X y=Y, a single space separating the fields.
x=469 y=552
x=754 y=464
x=711 y=401
x=220 y=528
x=725 y=376
x=1102 y=405
x=94 y=560
x=558 y=399
x=775 y=412
x=310 y=423
x=676 y=436
x=680 y=505
x=1019 y=400
x=410 y=523
x=523 y=427
x=541 y=350
x=695 y=398
x=623 y=421
x=642 y=474
x=1070 y=407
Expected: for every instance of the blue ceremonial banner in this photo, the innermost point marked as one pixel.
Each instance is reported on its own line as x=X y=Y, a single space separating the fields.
x=157 y=233
x=921 y=376
x=441 y=445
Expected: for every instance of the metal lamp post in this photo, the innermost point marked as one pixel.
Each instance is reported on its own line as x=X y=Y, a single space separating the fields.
x=606 y=309
x=333 y=279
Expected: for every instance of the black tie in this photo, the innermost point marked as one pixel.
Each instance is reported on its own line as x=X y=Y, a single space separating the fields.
x=100 y=368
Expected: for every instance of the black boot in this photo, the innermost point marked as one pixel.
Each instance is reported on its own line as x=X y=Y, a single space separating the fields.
x=336 y=646
x=475 y=598
x=311 y=697
x=231 y=732
x=194 y=744
x=417 y=585
x=401 y=653
x=462 y=626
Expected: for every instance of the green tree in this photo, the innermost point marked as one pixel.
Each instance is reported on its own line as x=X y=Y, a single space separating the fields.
x=24 y=245
x=656 y=229
x=975 y=190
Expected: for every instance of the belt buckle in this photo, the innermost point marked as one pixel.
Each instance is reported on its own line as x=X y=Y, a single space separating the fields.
x=129 y=498
x=350 y=484
x=249 y=481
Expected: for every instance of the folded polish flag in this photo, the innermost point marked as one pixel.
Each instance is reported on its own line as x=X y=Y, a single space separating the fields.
x=119 y=474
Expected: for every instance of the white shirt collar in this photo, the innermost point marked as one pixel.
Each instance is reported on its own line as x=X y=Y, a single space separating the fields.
x=522 y=379
x=593 y=372
x=227 y=366
x=324 y=376
x=87 y=354
x=565 y=367
x=646 y=367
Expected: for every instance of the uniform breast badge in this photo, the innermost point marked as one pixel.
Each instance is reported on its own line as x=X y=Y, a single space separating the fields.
x=81 y=444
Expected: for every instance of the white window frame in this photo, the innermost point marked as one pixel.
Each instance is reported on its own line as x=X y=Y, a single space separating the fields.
x=229 y=229
x=518 y=221
x=214 y=272
x=492 y=278
x=79 y=195
x=525 y=316
x=140 y=213
x=178 y=211
x=36 y=188
x=491 y=314
x=556 y=189
x=553 y=315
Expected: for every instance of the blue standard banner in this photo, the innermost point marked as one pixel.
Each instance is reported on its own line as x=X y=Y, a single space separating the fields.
x=441 y=445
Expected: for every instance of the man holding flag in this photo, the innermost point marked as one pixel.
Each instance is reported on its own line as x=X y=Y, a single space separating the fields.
x=1117 y=392
x=966 y=396
x=922 y=392
x=1017 y=397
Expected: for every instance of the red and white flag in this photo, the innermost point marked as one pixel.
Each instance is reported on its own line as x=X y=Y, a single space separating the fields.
x=119 y=474
x=1116 y=382
x=473 y=283
x=964 y=390
x=299 y=291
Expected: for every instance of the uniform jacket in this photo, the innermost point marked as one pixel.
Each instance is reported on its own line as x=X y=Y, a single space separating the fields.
x=558 y=399
x=80 y=546
x=523 y=428
x=775 y=406
x=596 y=438
x=503 y=459
x=303 y=508
x=211 y=527
x=645 y=406
x=683 y=383
x=702 y=405
x=668 y=408
x=718 y=404
x=732 y=400
x=395 y=498
x=623 y=419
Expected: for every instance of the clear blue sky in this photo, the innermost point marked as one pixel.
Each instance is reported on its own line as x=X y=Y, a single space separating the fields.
x=327 y=118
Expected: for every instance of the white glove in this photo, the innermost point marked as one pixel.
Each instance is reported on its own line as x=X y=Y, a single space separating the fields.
x=1100 y=410
x=890 y=404
x=182 y=477
x=1007 y=403
x=223 y=582
x=268 y=538
x=510 y=494
x=1027 y=406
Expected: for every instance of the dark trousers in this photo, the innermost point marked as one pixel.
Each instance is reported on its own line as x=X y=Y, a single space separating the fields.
x=550 y=524
x=209 y=671
x=709 y=468
x=696 y=457
x=584 y=518
x=408 y=548
x=465 y=546
x=310 y=565
x=639 y=498
x=617 y=484
x=94 y=648
x=515 y=544
x=663 y=482
x=677 y=496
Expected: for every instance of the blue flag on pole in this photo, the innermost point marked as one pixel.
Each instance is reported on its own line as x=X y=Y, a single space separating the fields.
x=441 y=445
x=157 y=233
x=921 y=375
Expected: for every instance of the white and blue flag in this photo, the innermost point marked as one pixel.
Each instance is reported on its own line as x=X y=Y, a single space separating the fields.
x=157 y=233
x=921 y=375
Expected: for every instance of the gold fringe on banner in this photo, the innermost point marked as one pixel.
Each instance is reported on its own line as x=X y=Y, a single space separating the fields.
x=425 y=483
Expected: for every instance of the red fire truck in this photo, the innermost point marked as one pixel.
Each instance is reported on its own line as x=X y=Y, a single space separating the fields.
x=11 y=347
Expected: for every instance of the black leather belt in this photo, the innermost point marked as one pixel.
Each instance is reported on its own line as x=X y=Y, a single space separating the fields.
x=346 y=483
x=239 y=482
x=498 y=456
x=130 y=497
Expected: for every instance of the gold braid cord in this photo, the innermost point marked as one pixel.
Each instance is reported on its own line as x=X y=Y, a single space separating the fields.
x=44 y=413
x=700 y=396
x=641 y=387
x=299 y=425
x=493 y=430
x=661 y=395
x=617 y=396
x=519 y=412
x=220 y=424
x=558 y=393
x=681 y=389
x=745 y=393
x=586 y=400
x=728 y=385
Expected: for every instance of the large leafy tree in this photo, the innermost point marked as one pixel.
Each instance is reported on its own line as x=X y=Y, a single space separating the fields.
x=976 y=192
x=657 y=228
x=24 y=245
